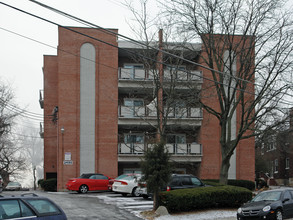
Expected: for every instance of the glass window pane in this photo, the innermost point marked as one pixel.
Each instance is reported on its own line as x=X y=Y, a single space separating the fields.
x=128 y=102
x=9 y=209
x=180 y=139
x=186 y=181
x=138 y=103
x=139 y=139
x=26 y=211
x=195 y=181
x=43 y=206
x=170 y=139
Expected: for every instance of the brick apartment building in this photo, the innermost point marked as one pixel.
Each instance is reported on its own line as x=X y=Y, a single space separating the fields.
x=103 y=121
x=274 y=154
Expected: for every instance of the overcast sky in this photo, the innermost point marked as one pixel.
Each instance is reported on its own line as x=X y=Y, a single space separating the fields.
x=21 y=59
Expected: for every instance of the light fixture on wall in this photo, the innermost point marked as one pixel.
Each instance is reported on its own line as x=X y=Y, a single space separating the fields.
x=62 y=130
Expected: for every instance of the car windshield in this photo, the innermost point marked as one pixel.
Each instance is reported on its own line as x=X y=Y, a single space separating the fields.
x=85 y=176
x=269 y=195
x=13 y=184
x=127 y=177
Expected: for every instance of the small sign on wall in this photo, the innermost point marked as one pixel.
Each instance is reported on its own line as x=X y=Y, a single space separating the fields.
x=68 y=162
x=67 y=156
x=67 y=159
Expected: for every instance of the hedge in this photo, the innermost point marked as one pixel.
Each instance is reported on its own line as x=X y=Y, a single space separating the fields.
x=49 y=185
x=242 y=183
x=185 y=200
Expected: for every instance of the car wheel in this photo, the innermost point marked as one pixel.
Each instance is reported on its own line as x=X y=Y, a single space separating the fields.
x=145 y=196
x=124 y=194
x=135 y=192
x=279 y=215
x=83 y=189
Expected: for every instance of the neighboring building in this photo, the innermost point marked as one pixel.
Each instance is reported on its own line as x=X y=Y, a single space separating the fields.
x=275 y=155
x=100 y=117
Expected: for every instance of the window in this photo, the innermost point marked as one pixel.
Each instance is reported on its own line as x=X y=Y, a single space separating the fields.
x=262 y=150
x=186 y=181
x=134 y=139
x=287 y=163
x=175 y=182
x=134 y=71
x=133 y=102
x=276 y=166
x=287 y=195
x=176 y=139
x=196 y=181
x=10 y=209
x=43 y=206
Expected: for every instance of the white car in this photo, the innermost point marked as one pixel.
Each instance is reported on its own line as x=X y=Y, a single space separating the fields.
x=127 y=184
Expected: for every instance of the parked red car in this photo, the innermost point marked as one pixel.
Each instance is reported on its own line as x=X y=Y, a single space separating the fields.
x=88 y=182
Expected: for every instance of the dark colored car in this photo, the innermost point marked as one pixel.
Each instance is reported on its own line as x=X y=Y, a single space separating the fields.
x=178 y=181
x=30 y=206
x=272 y=204
x=88 y=182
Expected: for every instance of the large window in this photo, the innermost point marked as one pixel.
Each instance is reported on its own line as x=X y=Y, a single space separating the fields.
x=276 y=166
x=133 y=108
x=134 y=139
x=287 y=163
x=134 y=71
x=176 y=139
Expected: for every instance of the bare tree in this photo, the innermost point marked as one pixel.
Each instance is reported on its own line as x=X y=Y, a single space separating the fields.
x=33 y=151
x=11 y=160
x=247 y=48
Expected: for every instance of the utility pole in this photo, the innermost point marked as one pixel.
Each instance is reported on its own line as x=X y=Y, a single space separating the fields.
x=160 y=89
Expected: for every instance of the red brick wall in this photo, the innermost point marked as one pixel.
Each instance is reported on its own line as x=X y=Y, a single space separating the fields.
x=210 y=131
x=68 y=87
x=50 y=101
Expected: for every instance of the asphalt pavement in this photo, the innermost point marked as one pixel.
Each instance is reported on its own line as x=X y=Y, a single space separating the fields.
x=83 y=206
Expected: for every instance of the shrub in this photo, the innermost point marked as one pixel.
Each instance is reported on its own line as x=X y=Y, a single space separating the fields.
x=241 y=183
x=49 y=185
x=40 y=181
x=204 y=197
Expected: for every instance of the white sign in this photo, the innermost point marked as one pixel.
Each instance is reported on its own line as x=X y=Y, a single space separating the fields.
x=68 y=162
x=67 y=156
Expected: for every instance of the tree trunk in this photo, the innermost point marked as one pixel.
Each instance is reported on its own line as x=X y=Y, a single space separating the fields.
x=156 y=200
x=224 y=170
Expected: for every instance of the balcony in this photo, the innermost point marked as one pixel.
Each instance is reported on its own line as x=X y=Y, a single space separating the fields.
x=179 y=152
x=144 y=115
x=41 y=99
x=142 y=74
x=41 y=130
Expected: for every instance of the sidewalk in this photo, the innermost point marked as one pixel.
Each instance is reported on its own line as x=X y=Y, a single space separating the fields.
x=218 y=214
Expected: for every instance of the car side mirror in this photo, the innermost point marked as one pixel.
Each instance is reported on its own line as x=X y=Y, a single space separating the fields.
x=286 y=200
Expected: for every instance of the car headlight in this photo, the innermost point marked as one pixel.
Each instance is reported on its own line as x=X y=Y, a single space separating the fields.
x=266 y=208
x=239 y=210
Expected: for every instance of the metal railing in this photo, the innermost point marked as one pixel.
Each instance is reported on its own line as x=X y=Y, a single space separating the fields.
x=173 y=149
x=144 y=111
x=143 y=74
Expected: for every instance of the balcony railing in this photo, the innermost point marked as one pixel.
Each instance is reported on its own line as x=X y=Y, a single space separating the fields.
x=41 y=99
x=142 y=74
x=173 y=149
x=41 y=129
x=144 y=111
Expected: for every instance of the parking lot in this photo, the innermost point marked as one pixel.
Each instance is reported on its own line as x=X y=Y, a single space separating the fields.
x=87 y=206
x=108 y=205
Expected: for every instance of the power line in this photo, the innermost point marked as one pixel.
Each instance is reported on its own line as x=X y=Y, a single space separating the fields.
x=124 y=48
x=89 y=24
x=129 y=51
